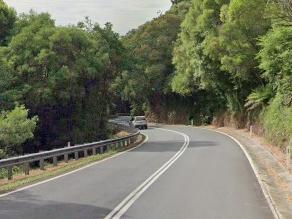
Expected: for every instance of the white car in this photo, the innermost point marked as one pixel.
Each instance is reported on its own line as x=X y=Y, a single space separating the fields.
x=140 y=122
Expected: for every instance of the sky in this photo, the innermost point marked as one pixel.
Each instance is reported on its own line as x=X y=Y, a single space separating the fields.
x=123 y=14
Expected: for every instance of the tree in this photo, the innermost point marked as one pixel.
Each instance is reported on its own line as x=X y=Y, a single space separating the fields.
x=217 y=50
x=7 y=20
x=7 y=95
x=145 y=82
x=244 y=22
x=275 y=57
x=63 y=75
x=15 y=129
x=196 y=55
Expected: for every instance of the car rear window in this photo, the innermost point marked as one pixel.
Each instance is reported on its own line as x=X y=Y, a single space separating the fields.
x=140 y=118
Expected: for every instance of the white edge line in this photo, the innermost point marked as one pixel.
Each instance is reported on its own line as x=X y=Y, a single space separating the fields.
x=144 y=189
x=267 y=194
x=265 y=190
x=77 y=170
x=127 y=202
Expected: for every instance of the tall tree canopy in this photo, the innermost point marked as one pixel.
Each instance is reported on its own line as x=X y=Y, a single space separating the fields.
x=146 y=81
x=63 y=75
x=203 y=59
x=217 y=49
x=239 y=51
x=7 y=20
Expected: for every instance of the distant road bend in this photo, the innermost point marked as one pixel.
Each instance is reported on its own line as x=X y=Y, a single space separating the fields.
x=180 y=173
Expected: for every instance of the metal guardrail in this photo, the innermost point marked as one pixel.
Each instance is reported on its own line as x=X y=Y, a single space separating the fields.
x=63 y=153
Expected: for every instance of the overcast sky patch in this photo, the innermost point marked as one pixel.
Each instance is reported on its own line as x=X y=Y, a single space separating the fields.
x=123 y=14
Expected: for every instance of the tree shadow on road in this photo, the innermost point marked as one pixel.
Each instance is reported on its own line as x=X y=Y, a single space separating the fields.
x=173 y=146
x=23 y=205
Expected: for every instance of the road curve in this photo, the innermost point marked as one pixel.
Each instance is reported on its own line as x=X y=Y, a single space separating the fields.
x=181 y=172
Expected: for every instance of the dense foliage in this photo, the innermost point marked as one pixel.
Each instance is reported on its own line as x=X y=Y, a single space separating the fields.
x=275 y=56
x=239 y=50
x=61 y=74
x=145 y=84
x=7 y=20
x=203 y=60
x=15 y=129
x=230 y=63
x=217 y=49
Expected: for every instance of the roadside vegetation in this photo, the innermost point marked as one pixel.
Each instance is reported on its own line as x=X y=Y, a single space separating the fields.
x=229 y=63
x=54 y=81
x=240 y=51
x=211 y=61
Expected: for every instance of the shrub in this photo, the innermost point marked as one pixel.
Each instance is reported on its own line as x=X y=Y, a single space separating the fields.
x=277 y=121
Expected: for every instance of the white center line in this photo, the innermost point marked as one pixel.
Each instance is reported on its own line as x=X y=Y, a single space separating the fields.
x=133 y=196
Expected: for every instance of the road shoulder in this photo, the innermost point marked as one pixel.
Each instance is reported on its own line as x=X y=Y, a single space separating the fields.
x=274 y=176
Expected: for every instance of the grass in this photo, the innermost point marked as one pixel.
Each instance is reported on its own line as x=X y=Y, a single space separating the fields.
x=36 y=175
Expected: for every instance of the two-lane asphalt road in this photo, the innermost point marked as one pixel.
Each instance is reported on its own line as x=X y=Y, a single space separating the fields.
x=181 y=172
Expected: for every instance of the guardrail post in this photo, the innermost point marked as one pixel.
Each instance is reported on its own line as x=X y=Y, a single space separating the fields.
x=251 y=130
x=26 y=169
x=93 y=151
x=289 y=151
x=76 y=155
x=66 y=158
x=10 y=172
x=101 y=150
x=117 y=145
x=55 y=161
x=42 y=164
x=85 y=153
